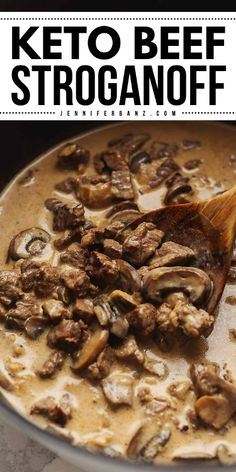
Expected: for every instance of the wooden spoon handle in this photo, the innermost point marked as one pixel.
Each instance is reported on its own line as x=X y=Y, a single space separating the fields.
x=221 y=211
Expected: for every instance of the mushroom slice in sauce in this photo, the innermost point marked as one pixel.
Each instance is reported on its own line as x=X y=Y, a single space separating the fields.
x=118 y=389
x=29 y=242
x=195 y=282
x=91 y=349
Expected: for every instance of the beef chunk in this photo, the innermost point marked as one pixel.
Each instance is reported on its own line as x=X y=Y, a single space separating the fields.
x=71 y=156
x=83 y=308
x=76 y=280
x=68 y=185
x=75 y=256
x=164 y=171
x=142 y=319
x=159 y=150
x=10 y=290
x=40 y=277
x=55 y=310
x=122 y=188
x=109 y=160
x=59 y=412
x=101 y=269
x=118 y=389
x=65 y=217
x=129 y=350
x=95 y=190
x=25 y=308
x=141 y=243
x=66 y=335
x=93 y=237
x=51 y=365
x=171 y=253
x=112 y=249
x=101 y=368
x=183 y=316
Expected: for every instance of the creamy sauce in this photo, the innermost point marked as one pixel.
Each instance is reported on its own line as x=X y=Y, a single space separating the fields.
x=94 y=422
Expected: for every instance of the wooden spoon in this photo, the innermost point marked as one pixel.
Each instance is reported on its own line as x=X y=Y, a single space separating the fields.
x=208 y=227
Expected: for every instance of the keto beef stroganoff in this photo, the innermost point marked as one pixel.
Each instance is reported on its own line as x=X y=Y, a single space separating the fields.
x=104 y=322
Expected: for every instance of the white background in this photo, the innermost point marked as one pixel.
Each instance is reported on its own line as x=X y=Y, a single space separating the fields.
x=124 y=23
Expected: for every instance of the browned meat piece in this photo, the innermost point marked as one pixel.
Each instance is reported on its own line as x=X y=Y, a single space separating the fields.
x=184 y=316
x=141 y=243
x=129 y=143
x=101 y=368
x=76 y=280
x=122 y=188
x=66 y=335
x=51 y=365
x=75 y=256
x=123 y=300
x=83 y=308
x=109 y=160
x=112 y=249
x=58 y=412
x=24 y=309
x=71 y=156
x=171 y=254
x=55 y=310
x=129 y=350
x=101 y=269
x=129 y=279
x=68 y=185
x=159 y=150
x=10 y=290
x=142 y=319
x=93 y=237
x=95 y=190
x=65 y=217
x=118 y=389
x=72 y=235
x=40 y=277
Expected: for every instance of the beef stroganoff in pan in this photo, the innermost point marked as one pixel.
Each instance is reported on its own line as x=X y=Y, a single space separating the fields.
x=104 y=326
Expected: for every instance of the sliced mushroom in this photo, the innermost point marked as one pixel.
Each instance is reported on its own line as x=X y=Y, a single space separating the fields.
x=71 y=155
x=137 y=159
x=129 y=279
x=155 y=365
x=109 y=315
x=35 y=326
x=180 y=187
x=91 y=349
x=190 y=280
x=118 y=389
x=193 y=455
x=123 y=300
x=225 y=456
x=155 y=444
x=29 y=242
x=55 y=310
x=120 y=207
x=6 y=381
x=214 y=410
